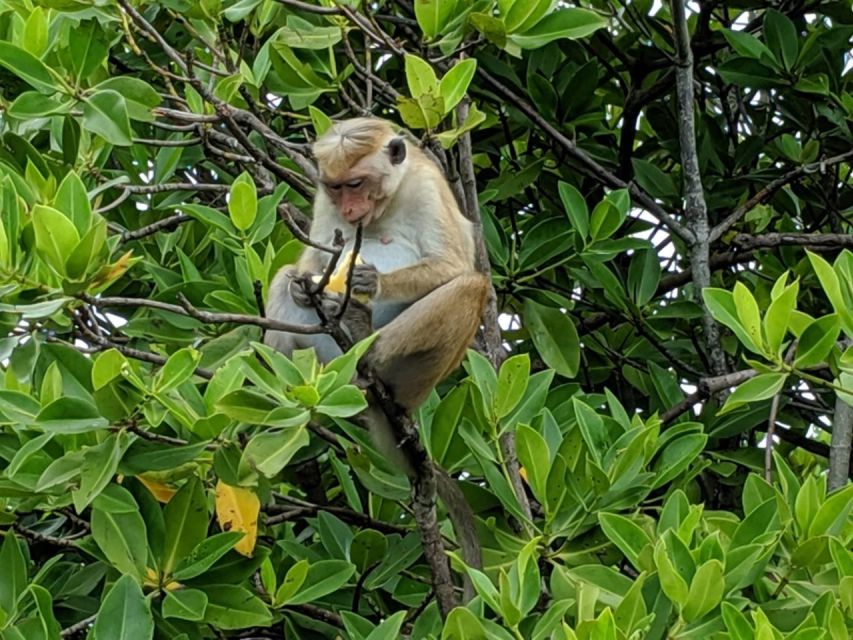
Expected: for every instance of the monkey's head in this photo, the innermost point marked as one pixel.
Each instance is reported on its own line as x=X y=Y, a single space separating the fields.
x=362 y=162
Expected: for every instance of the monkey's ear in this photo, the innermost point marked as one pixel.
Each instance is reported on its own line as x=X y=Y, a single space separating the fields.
x=397 y=150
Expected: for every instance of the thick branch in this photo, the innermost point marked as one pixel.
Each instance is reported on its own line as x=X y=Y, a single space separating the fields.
x=839 y=447
x=707 y=387
x=748 y=241
x=696 y=210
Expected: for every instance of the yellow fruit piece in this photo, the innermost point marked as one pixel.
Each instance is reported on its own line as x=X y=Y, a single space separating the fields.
x=162 y=492
x=338 y=281
x=237 y=510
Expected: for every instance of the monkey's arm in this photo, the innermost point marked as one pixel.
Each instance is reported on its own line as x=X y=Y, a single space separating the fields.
x=415 y=281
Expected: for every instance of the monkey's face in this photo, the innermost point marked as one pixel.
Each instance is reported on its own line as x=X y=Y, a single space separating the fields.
x=354 y=198
x=360 y=189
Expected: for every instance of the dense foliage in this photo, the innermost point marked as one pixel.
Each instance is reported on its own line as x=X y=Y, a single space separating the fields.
x=668 y=223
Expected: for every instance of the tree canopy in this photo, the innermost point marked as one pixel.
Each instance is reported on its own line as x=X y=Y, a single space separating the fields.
x=653 y=427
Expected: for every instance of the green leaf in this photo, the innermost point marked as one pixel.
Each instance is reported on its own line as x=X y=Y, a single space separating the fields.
x=35 y=32
x=85 y=254
x=298 y=33
x=570 y=23
x=652 y=179
x=462 y=624
x=27 y=67
x=432 y=15
x=390 y=627
x=512 y=383
x=320 y=120
x=606 y=219
x=781 y=36
x=831 y=284
x=817 y=341
x=722 y=306
x=671 y=581
x=107 y=367
x=32 y=104
x=534 y=455
x=420 y=76
x=644 y=276
x=706 y=590
x=13 y=578
x=761 y=387
x=205 y=554
x=243 y=201
x=625 y=534
x=778 y=315
x=748 y=72
x=270 y=451
x=748 y=45
x=524 y=14
x=186 y=520
x=455 y=82
x=293 y=580
x=44 y=608
x=233 y=607
x=555 y=337
x=748 y=313
x=73 y=201
x=592 y=429
x=120 y=531
x=575 y=207
x=105 y=114
x=323 y=577
x=56 y=236
x=736 y=623
x=180 y=366
x=185 y=604
x=125 y=613
x=677 y=456
x=70 y=415
x=99 y=466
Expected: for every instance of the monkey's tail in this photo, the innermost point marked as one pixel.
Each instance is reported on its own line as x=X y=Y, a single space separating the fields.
x=461 y=515
x=464 y=525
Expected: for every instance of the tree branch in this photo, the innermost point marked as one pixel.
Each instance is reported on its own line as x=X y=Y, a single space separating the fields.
x=594 y=169
x=706 y=388
x=772 y=187
x=208 y=317
x=696 y=209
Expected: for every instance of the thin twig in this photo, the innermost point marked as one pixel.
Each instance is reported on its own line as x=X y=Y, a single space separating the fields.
x=78 y=627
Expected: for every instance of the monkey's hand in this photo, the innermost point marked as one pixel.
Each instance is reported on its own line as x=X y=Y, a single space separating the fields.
x=300 y=289
x=365 y=280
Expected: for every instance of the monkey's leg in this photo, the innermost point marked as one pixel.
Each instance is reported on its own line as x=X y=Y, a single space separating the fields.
x=281 y=306
x=428 y=340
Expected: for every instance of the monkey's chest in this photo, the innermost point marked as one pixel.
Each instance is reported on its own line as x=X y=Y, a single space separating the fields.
x=387 y=253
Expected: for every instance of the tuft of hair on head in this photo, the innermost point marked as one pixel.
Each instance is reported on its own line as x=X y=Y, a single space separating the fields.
x=347 y=142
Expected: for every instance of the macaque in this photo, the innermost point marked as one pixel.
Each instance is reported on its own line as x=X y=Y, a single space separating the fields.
x=417 y=270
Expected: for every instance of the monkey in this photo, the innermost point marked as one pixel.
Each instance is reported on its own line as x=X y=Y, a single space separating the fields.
x=418 y=272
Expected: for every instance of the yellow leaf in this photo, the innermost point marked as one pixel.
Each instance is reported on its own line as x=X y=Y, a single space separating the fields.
x=162 y=492
x=150 y=579
x=523 y=473
x=237 y=510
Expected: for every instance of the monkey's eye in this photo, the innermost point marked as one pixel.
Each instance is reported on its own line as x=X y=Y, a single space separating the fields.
x=354 y=184
x=333 y=187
